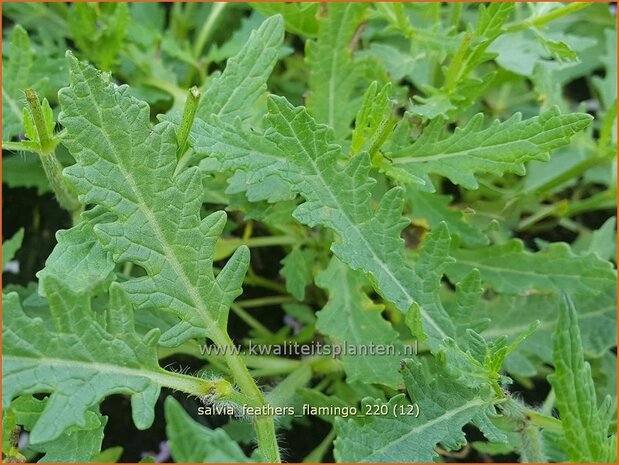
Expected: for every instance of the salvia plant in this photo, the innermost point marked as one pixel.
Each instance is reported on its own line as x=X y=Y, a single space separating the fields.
x=185 y=183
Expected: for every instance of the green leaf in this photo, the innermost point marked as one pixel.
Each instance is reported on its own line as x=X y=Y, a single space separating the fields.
x=333 y=74
x=99 y=31
x=244 y=79
x=502 y=147
x=602 y=241
x=11 y=246
x=109 y=455
x=509 y=315
x=585 y=425
x=238 y=39
x=300 y=18
x=444 y=408
x=297 y=269
x=76 y=444
x=375 y=120
x=297 y=154
x=509 y=268
x=350 y=317
x=16 y=78
x=191 y=442
x=461 y=88
x=607 y=86
x=79 y=362
x=127 y=168
x=24 y=171
x=435 y=208
x=79 y=258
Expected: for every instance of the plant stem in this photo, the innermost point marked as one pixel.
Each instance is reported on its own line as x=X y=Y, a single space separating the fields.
x=208 y=27
x=250 y=320
x=18 y=147
x=531 y=445
x=189 y=113
x=255 y=280
x=264 y=424
x=317 y=455
x=535 y=21
x=176 y=92
x=601 y=201
x=45 y=140
x=264 y=301
x=47 y=153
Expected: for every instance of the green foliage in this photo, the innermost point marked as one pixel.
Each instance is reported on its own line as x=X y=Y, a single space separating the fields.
x=11 y=246
x=407 y=434
x=191 y=442
x=180 y=279
x=428 y=185
x=76 y=351
x=499 y=148
x=77 y=444
x=585 y=424
x=333 y=73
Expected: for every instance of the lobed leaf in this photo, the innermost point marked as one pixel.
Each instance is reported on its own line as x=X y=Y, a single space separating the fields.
x=78 y=361
x=191 y=442
x=127 y=168
x=333 y=74
x=351 y=317
x=502 y=147
x=444 y=408
x=585 y=425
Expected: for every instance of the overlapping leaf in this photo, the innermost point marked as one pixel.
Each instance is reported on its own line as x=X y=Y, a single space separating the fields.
x=244 y=79
x=191 y=442
x=16 y=78
x=11 y=246
x=79 y=361
x=77 y=444
x=298 y=152
x=351 y=317
x=585 y=425
x=502 y=147
x=333 y=73
x=126 y=167
x=509 y=268
x=509 y=315
x=444 y=408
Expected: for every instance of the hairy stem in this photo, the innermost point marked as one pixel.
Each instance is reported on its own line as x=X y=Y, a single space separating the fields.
x=263 y=424
x=531 y=445
x=47 y=153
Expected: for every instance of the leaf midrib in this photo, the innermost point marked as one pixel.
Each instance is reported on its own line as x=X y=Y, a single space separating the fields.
x=198 y=302
x=326 y=187
x=476 y=402
x=158 y=376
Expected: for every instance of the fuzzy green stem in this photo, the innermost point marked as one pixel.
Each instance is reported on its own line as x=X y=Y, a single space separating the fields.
x=18 y=147
x=45 y=140
x=531 y=445
x=263 y=424
x=52 y=167
x=189 y=113
x=217 y=389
